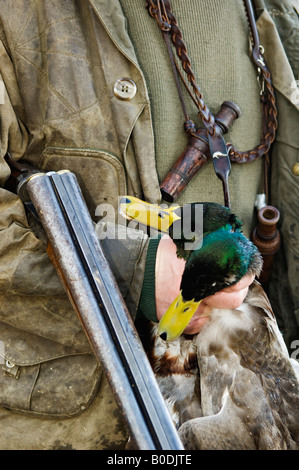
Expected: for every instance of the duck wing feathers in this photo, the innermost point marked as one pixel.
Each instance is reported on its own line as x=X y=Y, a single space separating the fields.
x=232 y=386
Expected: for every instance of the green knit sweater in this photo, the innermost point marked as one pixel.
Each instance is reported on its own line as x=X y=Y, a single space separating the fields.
x=147 y=302
x=217 y=39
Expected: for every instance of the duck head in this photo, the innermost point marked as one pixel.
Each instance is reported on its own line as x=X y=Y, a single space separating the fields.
x=222 y=254
x=222 y=260
x=185 y=224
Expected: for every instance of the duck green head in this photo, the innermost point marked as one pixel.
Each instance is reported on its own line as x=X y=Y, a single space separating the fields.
x=186 y=224
x=196 y=221
x=222 y=260
x=220 y=255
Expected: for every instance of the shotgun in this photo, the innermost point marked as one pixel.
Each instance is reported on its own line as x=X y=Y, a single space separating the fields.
x=76 y=253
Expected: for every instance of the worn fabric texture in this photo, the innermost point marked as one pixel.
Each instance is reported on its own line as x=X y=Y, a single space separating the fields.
x=59 y=62
x=279 y=31
x=99 y=427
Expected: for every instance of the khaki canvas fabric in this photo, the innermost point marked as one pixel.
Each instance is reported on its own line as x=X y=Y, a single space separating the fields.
x=59 y=62
x=279 y=32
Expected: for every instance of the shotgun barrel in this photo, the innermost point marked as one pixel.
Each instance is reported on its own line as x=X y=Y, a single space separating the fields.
x=78 y=258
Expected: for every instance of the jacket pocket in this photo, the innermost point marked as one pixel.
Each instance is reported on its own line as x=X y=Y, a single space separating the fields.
x=100 y=174
x=60 y=387
x=55 y=381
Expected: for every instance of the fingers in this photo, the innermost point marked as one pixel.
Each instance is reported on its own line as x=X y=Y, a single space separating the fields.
x=232 y=296
x=199 y=319
x=229 y=298
x=246 y=281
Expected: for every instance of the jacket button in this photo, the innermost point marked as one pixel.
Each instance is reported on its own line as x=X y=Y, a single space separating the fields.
x=125 y=89
x=296 y=169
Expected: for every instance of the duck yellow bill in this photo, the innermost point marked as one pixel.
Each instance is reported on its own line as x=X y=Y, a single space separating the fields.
x=176 y=318
x=148 y=214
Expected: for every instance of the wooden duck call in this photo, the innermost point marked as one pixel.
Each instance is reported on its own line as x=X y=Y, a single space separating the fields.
x=266 y=237
x=195 y=154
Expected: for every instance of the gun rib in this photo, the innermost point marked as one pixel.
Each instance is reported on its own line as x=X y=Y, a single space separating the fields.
x=95 y=295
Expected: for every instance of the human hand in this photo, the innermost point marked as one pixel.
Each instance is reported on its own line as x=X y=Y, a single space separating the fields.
x=169 y=270
x=228 y=298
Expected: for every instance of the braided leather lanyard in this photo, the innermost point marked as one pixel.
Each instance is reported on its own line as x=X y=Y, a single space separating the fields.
x=221 y=153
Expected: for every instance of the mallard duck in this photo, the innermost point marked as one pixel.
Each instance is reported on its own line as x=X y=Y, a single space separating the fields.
x=233 y=385
x=186 y=224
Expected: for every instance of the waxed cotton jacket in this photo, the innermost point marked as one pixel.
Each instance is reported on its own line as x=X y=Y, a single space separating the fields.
x=59 y=111
x=62 y=110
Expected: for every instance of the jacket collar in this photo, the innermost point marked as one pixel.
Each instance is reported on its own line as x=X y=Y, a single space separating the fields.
x=113 y=20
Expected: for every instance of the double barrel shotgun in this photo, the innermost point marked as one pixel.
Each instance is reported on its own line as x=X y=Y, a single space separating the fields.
x=77 y=255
